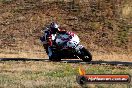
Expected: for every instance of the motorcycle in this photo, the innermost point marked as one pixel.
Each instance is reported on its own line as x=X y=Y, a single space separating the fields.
x=71 y=50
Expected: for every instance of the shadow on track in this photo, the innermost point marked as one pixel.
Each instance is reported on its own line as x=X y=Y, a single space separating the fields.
x=21 y=59
x=71 y=61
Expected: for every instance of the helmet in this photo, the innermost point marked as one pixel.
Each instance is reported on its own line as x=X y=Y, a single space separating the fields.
x=54 y=27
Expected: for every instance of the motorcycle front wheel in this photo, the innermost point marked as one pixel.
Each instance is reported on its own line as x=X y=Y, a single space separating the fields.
x=85 y=55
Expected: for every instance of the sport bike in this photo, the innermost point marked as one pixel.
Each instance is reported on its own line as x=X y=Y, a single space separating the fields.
x=64 y=49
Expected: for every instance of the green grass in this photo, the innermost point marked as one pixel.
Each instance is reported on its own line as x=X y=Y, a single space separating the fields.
x=54 y=74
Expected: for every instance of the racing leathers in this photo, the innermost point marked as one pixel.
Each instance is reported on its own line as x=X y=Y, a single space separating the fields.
x=66 y=40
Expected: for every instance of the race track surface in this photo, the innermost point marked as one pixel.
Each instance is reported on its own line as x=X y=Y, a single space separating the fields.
x=118 y=63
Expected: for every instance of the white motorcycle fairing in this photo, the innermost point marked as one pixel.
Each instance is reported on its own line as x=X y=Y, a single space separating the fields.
x=64 y=38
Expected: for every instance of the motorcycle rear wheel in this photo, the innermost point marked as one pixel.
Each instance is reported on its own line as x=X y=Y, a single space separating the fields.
x=54 y=57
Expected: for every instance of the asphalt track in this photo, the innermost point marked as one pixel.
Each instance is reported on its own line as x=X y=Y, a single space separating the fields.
x=78 y=61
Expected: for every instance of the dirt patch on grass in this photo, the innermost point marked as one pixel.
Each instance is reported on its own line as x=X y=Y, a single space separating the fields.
x=112 y=57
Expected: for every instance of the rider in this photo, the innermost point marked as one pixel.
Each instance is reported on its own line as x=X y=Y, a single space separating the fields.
x=49 y=37
x=50 y=32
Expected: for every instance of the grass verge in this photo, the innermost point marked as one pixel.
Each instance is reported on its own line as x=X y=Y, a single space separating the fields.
x=30 y=74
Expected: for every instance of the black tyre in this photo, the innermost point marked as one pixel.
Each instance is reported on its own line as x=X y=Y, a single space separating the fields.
x=85 y=55
x=54 y=58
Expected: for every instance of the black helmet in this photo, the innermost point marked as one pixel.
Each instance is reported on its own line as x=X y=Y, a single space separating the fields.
x=54 y=27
